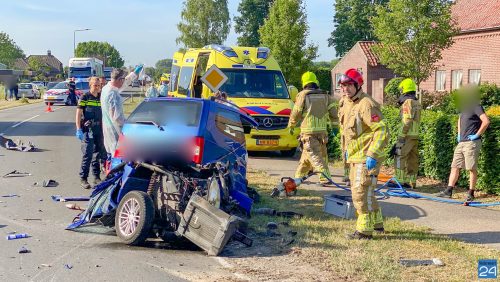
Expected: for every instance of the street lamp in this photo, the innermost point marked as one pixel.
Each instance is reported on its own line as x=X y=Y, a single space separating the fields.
x=74 y=39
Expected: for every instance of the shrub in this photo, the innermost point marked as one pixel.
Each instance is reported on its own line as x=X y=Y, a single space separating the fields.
x=393 y=120
x=490 y=94
x=333 y=146
x=325 y=78
x=392 y=92
x=489 y=166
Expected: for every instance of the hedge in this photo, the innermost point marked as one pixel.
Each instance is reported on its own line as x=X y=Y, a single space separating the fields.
x=438 y=132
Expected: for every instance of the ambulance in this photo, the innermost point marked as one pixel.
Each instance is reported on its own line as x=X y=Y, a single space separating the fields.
x=255 y=84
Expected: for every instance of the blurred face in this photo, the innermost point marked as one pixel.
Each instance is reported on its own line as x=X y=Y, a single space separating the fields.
x=95 y=85
x=103 y=81
x=348 y=89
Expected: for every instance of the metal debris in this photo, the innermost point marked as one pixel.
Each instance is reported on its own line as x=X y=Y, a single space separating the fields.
x=16 y=173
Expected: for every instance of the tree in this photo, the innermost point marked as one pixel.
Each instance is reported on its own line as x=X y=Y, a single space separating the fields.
x=9 y=51
x=285 y=32
x=352 y=23
x=101 y=50
x=412 y=35
x=203 y=22
x=253 y=13
x=164 y=66
x=40 y=68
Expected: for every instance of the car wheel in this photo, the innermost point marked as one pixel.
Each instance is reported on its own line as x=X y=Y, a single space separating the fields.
x=288 y=153
x=46 y=103
x=134 y=217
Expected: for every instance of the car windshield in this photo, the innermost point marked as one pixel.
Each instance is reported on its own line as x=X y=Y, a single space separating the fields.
x=80 y=72
x=82 y=85
x=167 y=113
x=254 y=83
x=25 y=86
x=61 y=85
x=51 y=85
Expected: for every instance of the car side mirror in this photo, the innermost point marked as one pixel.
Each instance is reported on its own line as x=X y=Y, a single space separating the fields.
x=293 y=92
x=247 y=129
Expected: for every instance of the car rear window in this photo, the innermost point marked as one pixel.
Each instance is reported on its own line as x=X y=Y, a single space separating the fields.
x=25 y=86
x=168 y=112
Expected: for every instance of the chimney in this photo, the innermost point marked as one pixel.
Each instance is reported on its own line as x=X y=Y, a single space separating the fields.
x=49 y=53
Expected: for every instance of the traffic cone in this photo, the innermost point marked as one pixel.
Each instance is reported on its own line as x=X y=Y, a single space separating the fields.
x=49 y=109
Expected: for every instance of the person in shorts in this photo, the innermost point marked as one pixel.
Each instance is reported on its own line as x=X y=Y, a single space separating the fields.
x=472 y=123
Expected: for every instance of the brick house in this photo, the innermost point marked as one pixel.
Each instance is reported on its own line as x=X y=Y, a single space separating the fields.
x=474 y=56
x=55 y=66
x=362 y=58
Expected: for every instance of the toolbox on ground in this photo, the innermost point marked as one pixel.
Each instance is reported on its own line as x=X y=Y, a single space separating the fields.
x=207 y=226
x=340 y=206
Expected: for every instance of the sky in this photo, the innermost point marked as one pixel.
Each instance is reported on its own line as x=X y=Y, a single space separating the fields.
x=142 y=31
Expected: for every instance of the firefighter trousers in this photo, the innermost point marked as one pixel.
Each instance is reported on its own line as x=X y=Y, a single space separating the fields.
x=94 y=153
x=363 y=184
x=406 y=161
x=314 y=156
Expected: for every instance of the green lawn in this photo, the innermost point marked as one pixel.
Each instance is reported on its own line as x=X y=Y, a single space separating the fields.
x=321 y=238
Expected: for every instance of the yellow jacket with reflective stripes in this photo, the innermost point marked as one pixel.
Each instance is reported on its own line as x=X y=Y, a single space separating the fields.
x=366 y=130
x=410 y=114
x=314 y=109
x=345 y=105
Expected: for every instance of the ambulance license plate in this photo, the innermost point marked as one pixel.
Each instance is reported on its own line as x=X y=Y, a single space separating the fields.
x=267 y=142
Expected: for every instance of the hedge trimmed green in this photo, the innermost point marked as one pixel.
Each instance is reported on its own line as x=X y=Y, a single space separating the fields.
x=438 y=132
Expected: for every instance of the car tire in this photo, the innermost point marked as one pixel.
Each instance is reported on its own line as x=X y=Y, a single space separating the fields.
x=134 y=218
x=288 y=153
x=46 y=103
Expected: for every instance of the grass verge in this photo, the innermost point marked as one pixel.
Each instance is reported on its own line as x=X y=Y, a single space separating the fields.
x=321 y=240
x=131 y=104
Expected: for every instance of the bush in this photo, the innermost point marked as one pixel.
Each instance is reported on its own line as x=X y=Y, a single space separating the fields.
x=490 y=94
x=392 y=92
x=333 y=146
x=324 y=77
x=393 y=120
x=489 y=166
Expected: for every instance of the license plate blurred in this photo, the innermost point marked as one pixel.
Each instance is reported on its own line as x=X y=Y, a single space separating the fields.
x=267 y=142
x=51 y=98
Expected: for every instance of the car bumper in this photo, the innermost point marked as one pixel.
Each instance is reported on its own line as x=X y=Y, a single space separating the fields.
x=271 y=140
x=55 y=99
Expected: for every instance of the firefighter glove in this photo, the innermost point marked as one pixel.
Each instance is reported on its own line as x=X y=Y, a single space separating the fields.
x=473 y=137
x=79 y=134
x=370 y=163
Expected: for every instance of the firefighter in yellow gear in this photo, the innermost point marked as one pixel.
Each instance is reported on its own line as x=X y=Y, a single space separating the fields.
x=367 y=136
x=345 y=105
x=314 y=110
x=406 y=158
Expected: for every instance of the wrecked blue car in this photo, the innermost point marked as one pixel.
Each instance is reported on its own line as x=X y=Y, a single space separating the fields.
x=180 y=168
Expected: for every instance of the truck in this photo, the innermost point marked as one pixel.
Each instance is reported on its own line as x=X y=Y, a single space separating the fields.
x=255 y=84
x=85 y=67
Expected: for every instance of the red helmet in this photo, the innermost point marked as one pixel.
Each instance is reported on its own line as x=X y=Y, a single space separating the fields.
x=351 y=76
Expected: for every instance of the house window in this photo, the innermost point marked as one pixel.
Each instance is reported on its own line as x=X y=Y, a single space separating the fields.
x=456 y=79
x=474 y=76
x=337 y=78
x=440 y=80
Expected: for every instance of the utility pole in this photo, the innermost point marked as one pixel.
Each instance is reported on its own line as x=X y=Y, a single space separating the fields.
x=74 y=39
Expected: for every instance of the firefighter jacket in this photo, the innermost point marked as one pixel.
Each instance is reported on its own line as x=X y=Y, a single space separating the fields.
x=366 y=130
x=410 y=114
x=315 y=109
x=345 y=105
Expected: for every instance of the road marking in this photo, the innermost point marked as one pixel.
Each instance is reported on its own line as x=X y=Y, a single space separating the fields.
x=19 y=123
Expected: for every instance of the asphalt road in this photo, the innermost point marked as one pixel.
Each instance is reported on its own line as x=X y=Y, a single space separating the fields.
x=474 y=225
x=91 y=256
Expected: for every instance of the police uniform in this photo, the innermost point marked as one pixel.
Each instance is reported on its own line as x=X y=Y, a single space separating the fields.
x=345 y=105
x=93 y=149
x=367 y=136
x=315 y=109
x=406 y=161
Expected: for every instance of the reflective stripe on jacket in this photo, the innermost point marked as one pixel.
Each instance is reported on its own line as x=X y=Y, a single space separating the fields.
x=410 y=112
x=315 y=109
x=366 y=130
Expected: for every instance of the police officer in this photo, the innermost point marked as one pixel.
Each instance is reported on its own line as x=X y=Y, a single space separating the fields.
x=345 y=105
x=315 y=109
x=89 y=131
x=367 y=134
x=406 y=159
x=72 y=91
